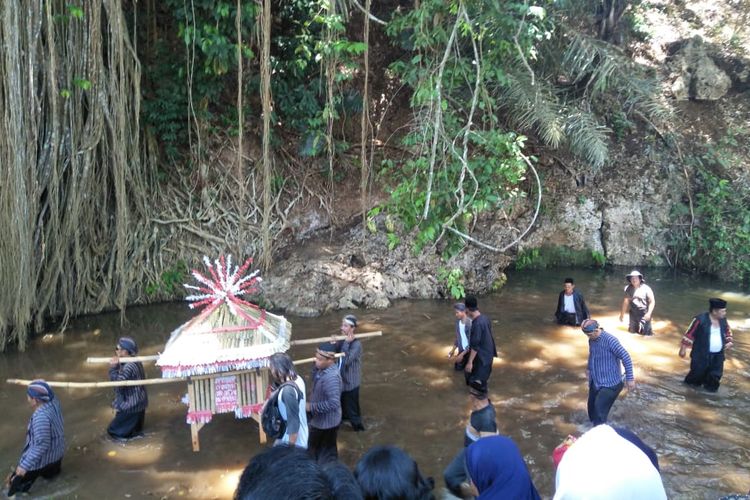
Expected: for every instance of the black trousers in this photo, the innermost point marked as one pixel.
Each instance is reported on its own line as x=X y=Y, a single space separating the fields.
x=638 y=324
x=22 y=484
x=126 y=425
x=321 y=444
x=567 y=318
x=706 y=371
x=350 y=408
x=480 y=372
x=601 y=401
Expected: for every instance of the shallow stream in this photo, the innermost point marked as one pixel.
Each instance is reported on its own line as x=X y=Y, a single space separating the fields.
x=410 y=395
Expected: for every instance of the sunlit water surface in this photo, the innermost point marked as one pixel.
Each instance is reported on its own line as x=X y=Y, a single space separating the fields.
x=410 y=396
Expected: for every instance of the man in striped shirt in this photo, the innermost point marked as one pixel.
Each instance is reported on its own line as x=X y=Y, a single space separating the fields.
x=45 y=441
x=351 y=373
x=131 y=401
x=324 y=405
x=603 y=371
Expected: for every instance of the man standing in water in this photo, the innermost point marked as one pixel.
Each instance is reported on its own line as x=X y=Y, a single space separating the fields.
x=461 y=343
x=324 y=405
x=603 y=371
x=571 y=308
x=638 y=303
x=130 y=401
x=351 y=373
x=45 y=441
x=481 y=345
x=708 y=336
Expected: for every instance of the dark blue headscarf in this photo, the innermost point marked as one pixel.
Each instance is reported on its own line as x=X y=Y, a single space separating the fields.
x=39 y=389
x=497 y=469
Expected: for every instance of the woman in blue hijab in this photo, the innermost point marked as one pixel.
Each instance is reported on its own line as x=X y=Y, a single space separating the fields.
x=497 y=470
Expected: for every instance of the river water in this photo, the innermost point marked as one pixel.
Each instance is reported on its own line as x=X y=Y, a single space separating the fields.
x=410 y=396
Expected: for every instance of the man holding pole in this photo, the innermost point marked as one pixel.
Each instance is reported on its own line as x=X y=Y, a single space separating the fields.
x=130 y=401
x=45 y=441
x=351 y=373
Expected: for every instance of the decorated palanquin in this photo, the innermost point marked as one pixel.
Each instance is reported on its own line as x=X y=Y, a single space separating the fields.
x=224 y=350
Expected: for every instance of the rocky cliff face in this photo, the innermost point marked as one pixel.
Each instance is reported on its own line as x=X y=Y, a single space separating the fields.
x=623 y=213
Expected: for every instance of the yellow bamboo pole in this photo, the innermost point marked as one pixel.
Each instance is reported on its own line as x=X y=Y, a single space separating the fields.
x=148 y=381
x=154 y=357
x=310 y=360
x=129 y=359
x=89 y=385
x=335 y=337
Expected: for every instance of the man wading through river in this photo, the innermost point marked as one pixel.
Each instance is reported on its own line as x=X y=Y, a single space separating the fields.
x=481 y=345
x=130 y=401
x=351 y=373
x=603 y=371
x=639 y=303
x=708 y=337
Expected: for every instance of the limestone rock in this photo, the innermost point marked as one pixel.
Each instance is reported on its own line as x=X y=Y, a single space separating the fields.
x=696 y=75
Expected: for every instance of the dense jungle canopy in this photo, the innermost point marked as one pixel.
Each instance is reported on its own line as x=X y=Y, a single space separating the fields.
x=138 y=136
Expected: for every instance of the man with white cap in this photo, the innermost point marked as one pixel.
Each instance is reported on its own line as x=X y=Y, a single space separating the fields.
x=708 y=336
x=639 y=303
x=131 y=401
x=351 y=373
x=45 y=440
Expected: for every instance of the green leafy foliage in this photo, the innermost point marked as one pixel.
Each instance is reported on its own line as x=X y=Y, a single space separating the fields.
x=556 y=256
x=170 y=280
x=719 y=242
x=478 y=166
x=453 y=280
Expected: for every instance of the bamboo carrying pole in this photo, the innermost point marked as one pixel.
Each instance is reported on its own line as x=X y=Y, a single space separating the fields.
x=148 y=381
x=335 y=337
x=154 y=357
x=129 y=359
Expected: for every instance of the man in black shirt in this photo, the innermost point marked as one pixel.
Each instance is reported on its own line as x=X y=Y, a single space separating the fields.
x=481 y=345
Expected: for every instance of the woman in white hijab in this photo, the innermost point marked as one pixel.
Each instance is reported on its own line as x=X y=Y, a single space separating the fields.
x=603 y=465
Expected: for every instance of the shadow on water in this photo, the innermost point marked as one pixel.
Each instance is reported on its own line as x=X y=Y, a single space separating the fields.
x=411 y=397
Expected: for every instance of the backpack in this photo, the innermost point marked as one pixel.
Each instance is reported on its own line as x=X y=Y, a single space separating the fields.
x=271 y=420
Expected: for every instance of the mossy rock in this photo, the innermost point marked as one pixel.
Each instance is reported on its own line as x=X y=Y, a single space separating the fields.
x=556 y=256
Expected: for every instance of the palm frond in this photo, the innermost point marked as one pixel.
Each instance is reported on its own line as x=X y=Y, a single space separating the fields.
x=534 y=107
x=587 y=138
x=604 y=68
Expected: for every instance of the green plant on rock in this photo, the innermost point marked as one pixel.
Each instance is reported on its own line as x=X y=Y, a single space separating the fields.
x=453 y=280
x=170 y=281
x=718 y=241
x=528 y=259
x=600 y=260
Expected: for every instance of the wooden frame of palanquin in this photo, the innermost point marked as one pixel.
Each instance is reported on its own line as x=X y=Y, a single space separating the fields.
x=251 y=391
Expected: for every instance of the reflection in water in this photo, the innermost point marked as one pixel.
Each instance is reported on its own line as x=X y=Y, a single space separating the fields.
x=410 y=395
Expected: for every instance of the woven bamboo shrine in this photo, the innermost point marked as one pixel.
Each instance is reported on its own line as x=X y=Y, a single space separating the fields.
x=223 y=351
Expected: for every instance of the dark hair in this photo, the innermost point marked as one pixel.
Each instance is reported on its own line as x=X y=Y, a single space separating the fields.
x=283 y=473
x=389 y=473
x=342 y=481
x=471 y=303
x=570 y=280
x=283 y=365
